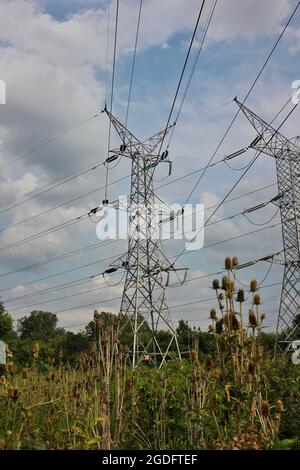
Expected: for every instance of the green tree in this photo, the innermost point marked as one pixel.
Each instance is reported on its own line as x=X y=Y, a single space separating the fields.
x=39 y=325
x=184 y=333
x=6 y=325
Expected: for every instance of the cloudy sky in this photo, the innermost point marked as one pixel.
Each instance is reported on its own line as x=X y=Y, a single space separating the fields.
x=53 y=61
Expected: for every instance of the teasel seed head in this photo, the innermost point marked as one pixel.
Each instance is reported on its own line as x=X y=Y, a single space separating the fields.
x=252 y=319
x=262 y=317
x=216 y=284
x=225 y=283
x=209 y=362
x=265 y=409
x=240 y=296
x=213 y=314
x=211 y=328
x=195 y=357
x=256 y=299
x=231 y=321
x=235 y=261
x=253 y=285
x=228 y=264
x=279 y=406
x=219 y=326
x=2 y=380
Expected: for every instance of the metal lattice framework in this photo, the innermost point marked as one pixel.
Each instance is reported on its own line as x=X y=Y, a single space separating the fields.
x=287 y=157
x=144 y=296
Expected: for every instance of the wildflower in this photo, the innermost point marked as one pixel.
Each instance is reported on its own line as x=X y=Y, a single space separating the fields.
x=253 y=285
x=219 y=326
x=279 y=406
x=14 y=393
x=240 y=296
x=11 y=368
x=256 y=299
x=225 y=283
x=209 y=362
x=252 y=319
x=213 y=314
x=228 y=264
x=265 y=409
x=2 y=380
x=25 y=373
x=231 y=321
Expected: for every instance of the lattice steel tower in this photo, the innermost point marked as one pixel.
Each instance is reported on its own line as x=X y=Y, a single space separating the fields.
x=287 y=158
x=144 y=295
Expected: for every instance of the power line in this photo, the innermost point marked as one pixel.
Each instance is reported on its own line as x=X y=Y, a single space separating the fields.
x=133 y=60
x=243 y=174
x=182 y=73
x=52 y=139
x=246 y=97
x=194 y=66
x=112 y=92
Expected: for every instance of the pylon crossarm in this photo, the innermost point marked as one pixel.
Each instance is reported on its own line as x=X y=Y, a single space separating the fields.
x=268 y=140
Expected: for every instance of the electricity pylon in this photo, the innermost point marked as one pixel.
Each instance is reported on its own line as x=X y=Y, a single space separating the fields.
x=287 y=158
x=144 y=295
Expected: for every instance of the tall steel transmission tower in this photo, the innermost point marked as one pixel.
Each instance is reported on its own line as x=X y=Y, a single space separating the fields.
x=287 y=158
x=144 y=300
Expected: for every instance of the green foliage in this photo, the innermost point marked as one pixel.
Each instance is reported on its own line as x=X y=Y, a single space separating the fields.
x=39 y=325
x=6 y=325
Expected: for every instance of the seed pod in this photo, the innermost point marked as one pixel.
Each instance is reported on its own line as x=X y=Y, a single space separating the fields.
x=262 y=317
x=211 y=329
x=216 y=284
x=256 y=299
x=225 y=282
x=194 y=356
x=219 y=326
x=213 y=314
x=209 y=362
x=231 y=321
x=235 y=261
x=228 y=264
x=253 y=285
x=265 y=409
x=240 y=296
x=279 y=406
x=252 y=319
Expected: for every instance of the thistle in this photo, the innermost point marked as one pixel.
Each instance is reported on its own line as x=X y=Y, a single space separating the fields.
x=252 y=319
x=225 y=283
x=253 y=285
x=240 y=296
x=213 y=314
x=279 y=406
x=228 y=264
x=265 y=409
